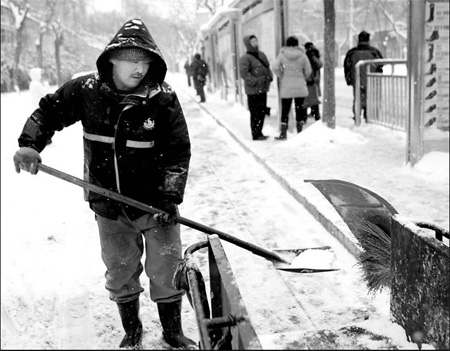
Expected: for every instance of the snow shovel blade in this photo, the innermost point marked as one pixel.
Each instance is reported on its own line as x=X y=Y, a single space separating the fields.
x=307 y=260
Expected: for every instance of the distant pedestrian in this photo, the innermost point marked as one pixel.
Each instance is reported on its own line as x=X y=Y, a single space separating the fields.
x=293 y=68
x=255 y=71
x=199 y=71
x=312 y=101
x=187 y=68
x=363 y=51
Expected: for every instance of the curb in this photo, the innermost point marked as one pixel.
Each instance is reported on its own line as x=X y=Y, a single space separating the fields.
x=343 y=235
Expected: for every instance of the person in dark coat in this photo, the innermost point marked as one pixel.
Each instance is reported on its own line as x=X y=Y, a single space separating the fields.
x=363 y=51
x=312 y=101
x=199 y=71
x=255 y=71
x=136 y=143
x=187 y=69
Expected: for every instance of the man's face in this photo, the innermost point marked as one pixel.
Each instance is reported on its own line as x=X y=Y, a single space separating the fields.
x=127 y=75
x=254 y=42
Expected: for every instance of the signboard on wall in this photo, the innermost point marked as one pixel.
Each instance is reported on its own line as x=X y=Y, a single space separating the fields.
x=435 y=81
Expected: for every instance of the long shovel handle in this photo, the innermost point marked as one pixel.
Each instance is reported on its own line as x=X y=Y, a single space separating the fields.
x=153 y=210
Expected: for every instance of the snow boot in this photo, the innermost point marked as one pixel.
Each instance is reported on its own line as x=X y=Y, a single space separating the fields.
x=170 y=317
x=300 y=126
x=129 y=313
x=315 y=112
x=283 y=135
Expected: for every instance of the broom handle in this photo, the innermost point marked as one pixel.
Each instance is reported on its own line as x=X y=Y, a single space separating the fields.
x=153 y=210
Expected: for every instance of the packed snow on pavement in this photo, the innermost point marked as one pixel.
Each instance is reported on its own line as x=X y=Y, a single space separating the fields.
x=51 y=265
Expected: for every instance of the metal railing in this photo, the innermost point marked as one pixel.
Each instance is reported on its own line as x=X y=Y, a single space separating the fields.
x=387 y=95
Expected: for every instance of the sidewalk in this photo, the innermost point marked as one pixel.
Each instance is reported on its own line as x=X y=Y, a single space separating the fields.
x=370 y=156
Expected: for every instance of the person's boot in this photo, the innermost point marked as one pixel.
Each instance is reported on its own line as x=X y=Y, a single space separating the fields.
x=129 y=313
x=315 y=112
x=170 y=317
x=300 y=126
x=283 y=134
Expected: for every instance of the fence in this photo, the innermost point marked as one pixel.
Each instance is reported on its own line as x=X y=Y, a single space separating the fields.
x=387 y=95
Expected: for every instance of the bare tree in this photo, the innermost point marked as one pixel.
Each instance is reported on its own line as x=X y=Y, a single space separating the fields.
x=39 y=42
x=210 y=5
x=329 y=105
x=20 y=12
x=53 y=22
x=58 y=32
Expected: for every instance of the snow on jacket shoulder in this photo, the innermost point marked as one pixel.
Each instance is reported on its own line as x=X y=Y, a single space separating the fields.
x=293 y=68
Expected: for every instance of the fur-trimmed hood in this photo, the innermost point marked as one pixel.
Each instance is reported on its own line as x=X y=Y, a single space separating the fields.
x=292 y=52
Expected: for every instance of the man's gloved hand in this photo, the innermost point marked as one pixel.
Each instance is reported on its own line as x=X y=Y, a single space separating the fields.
x=172 y=213
x=27 y=158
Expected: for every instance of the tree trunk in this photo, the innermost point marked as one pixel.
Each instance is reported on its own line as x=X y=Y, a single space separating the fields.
x=58 y=61
x=58 y=44
x=329 y=103
x=17 y=55
x=40 y=55
x=20 y=14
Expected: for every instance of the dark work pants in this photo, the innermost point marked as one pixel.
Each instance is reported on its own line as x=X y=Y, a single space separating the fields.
x=123 y=243
x=363 y=101
x=199 y=86
x=300 y=111
x=257 y=106
x=315 y=112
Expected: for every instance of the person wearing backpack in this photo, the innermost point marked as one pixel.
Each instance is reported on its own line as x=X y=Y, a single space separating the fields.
x=312 y=101
x=199 y=71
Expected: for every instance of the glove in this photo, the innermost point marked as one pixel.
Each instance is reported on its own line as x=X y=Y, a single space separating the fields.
x=172 y=213
x=27 y=158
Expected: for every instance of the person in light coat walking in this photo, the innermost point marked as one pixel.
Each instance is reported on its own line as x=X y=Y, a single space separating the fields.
x=292 y=67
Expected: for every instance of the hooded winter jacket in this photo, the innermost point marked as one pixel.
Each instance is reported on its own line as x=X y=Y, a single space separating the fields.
x=293 y=67
x=255 y=70
x=136 y=144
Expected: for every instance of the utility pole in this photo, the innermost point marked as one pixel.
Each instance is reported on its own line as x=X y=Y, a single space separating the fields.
x=329 y=98
x=350 y=29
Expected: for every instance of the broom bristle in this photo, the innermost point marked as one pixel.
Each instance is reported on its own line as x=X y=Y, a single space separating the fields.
x=179 y=280
x=375 y=260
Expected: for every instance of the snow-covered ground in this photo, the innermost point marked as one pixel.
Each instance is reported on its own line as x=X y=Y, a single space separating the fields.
x=53 y=294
